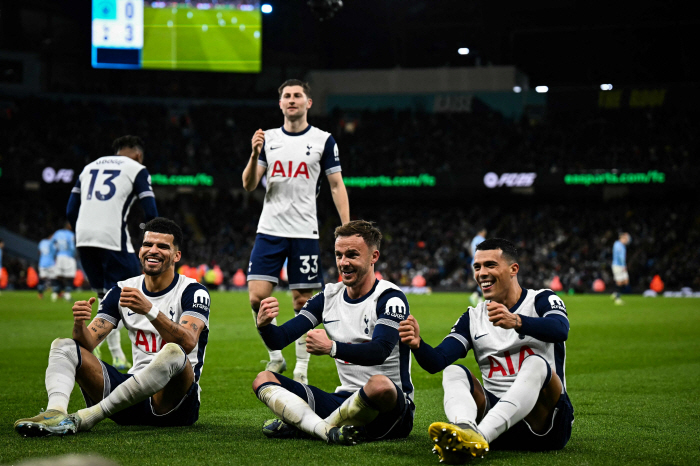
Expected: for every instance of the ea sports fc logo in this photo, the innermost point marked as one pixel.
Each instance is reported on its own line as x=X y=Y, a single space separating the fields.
x=279 y=170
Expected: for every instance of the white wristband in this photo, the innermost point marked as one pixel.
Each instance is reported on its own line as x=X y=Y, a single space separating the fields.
x=153 y=314
x=333 y=350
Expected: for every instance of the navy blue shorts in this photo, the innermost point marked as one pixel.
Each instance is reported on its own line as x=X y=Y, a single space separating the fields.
x=185 y=413
x=304 y=266
x=104 y=268
x=521 y=436
x=396 y=423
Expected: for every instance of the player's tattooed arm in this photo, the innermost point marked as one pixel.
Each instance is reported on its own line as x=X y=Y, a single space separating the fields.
x=178 y=332
x=93 y=334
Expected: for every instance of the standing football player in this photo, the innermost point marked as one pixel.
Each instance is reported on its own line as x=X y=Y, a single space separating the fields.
x=619 y=266
x=361 y=317
x=66 y=265
x=47 y=262
x=167 y=316
x=98 y=208
x=518 y=340
x=293 y=158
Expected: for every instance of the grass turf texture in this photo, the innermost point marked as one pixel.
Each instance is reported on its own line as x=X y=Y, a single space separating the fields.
x=209 y=40
x=633 y=373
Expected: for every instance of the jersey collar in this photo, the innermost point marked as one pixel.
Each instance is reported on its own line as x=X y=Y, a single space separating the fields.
x=349 y=300
x=300 y=133
x=520 y=301
x=160 y=293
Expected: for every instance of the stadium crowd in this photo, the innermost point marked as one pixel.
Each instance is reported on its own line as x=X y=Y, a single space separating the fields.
x=187 y=138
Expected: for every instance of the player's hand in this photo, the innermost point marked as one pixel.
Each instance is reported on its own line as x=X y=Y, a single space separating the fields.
x=409 y=332
x=500 y=316
x=317 y=342
x=257 y=142
x=82 y=310
x=269 y=309
x=135 y=300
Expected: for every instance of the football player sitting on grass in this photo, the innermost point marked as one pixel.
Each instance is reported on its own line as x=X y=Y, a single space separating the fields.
x=518 y=340
x=167 y=316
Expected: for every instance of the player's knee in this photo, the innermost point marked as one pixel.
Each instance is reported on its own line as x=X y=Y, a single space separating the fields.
x=264 y=377
x=536 y=366
x=255 y=302
x=379 y=386
x=299 y=302
x=171 y=360
x=67 y=348
x=454 y=373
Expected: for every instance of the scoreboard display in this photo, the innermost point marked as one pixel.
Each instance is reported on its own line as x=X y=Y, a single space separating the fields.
x=117 y=33
x=223 y=35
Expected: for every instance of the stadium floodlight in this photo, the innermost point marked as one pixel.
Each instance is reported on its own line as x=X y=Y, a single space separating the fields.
x=606 y=87
x=517 y=89
x=541 y=89
x=463 y=51
x=266 y=8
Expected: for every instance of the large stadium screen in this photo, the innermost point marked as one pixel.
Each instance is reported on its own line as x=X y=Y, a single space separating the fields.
x=215 y=35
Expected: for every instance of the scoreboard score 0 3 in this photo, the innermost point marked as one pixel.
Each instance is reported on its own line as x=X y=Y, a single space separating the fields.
x=117 y=33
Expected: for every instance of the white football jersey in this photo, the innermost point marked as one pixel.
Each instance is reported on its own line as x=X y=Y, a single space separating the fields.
x=354 y=321
x=294 y=162
x=183 y=297
x=500 y=352
x=108 y=187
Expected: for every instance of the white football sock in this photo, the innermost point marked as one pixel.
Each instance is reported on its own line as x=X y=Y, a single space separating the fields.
x=293 y=410
x=60 y=373
x=518 y=401
x=302 y=364
x=275 y=355
x=354 y=411
x=169 y=362
x=458 y=401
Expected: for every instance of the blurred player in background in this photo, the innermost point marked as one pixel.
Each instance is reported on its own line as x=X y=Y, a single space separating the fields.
x=167 y=316
x=293 y=158
x=361 y=316
x=2 y=246
x=47 y=262
x=476 y=296
x=66 y=265
x=98 y=208
x=518 y=340
x=619 y=266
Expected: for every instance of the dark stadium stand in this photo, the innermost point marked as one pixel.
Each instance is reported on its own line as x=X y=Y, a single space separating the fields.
x=185 y=137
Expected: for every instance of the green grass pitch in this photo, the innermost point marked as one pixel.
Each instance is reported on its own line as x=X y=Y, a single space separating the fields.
x=209 y=40
x=633 y=374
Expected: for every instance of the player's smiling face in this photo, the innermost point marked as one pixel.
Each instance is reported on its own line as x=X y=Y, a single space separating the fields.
x=355 y=260
x=158 y=253
x=494 y=274
x=294 y=102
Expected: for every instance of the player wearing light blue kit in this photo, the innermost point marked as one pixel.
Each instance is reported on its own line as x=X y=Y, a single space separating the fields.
x=66 y=265
x=619 y=266
x=98 y=208
x=167 y=316
x=292 y=158
x=47 y=261
x=518 y=337
x=361 y=316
